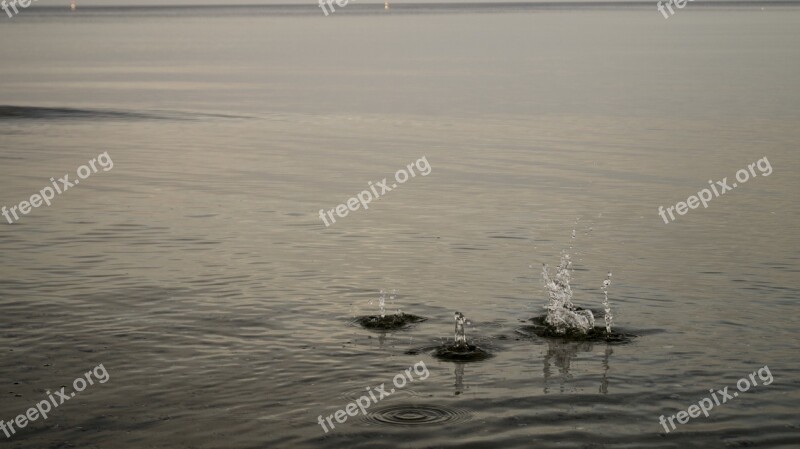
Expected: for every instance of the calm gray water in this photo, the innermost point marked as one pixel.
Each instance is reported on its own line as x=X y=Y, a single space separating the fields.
x=198 y=272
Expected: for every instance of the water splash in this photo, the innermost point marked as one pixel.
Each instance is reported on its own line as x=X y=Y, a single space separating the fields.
x=392 y=297
x=564 y=320
x=562 y=315
x=384 y=322
x=460 y=336
x=382 y=302
x=574 y=232
x=459 y=350
x=608 y=317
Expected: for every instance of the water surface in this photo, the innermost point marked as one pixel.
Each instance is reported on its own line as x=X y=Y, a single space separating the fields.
x=198 y=271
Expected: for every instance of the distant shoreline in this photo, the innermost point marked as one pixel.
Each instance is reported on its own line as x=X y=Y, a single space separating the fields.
x=588 y=4
x=368 y=8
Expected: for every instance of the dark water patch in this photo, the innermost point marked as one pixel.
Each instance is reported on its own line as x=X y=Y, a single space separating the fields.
x=461 y=353
x=416 y=415
x=450 y=352
x=597 y=334
x=41 y=113
x=388 y=322
x=201 y=216
x=8 y=112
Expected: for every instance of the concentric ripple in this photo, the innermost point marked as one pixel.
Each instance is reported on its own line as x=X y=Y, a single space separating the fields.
x=417 y=415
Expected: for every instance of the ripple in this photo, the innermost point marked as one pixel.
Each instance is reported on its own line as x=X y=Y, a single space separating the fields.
x=352 y=396
x=417 y=415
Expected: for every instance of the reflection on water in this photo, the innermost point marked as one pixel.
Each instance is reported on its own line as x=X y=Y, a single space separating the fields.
x=604 y=383
x=561 y=354
x=381 y=340
x=459 y=383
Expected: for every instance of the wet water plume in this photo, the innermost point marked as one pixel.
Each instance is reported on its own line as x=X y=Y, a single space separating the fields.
x=566 y=320
x=460 y=350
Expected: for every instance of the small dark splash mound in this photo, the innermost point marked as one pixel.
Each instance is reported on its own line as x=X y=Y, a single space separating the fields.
x=598 y=334
x=416 y=415
x=388 y=322
x=460 y=353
